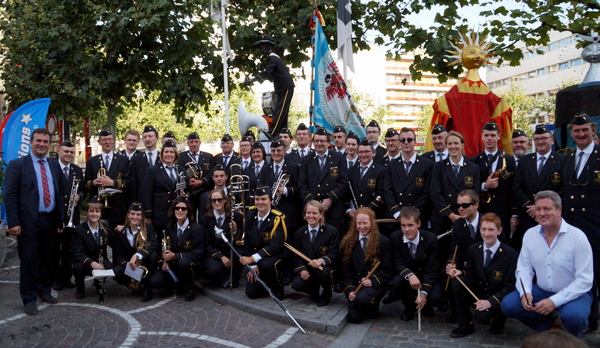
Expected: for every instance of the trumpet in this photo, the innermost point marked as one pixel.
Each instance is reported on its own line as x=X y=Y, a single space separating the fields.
x=102 y=193
x=282 y=180
x=193 y=171
x=238 y=184
x=181 y=185
x=72 y=205
x=486 y=196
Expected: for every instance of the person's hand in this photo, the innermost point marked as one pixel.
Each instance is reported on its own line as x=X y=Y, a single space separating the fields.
x=491 y=183
x=351 y=214
x=226 y=261
x=421 y=300
x=326 y=203
x=450 y=267
x=414 y=281
x=233 y=227
x=247 y=260
x=454 y=273
x=280 y=190
x=526 y=301
x=104 y=181
x=366 y=283
x=514 y=223
x=165 y=266
x=77 y=198
x=316 y=263
x=14 y=231
x=168 y=255
x=482 y=305
x=351 y=296
x=531 y=211
x=544 y=307
x=195 y=183
x=132 y=262
x=454 y=217
x=119 y=228
x=97 y=266
x=304 y=275
x=250 y=277
x=248 y=82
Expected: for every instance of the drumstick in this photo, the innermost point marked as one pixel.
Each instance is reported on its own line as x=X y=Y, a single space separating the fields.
x=466 y=287
x=419 y=312
x=453 y=258
x=297 y=252
x=367 y=277
x=524 y=293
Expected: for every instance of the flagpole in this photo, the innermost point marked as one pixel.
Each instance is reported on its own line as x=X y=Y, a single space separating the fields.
x=312 y=71
x=225 y=67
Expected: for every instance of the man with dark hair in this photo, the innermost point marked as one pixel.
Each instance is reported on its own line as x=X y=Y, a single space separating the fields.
x=438 y=137
x=392 y=144
x=373 y=133
x=303 y=141
x=148 y=158
x=286 y=136
x=227 y=157
x=202 y=161
x=339 y=139
x=33 y=197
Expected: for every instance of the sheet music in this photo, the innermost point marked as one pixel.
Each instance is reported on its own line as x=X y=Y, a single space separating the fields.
x=138 y=274
x=103 y=273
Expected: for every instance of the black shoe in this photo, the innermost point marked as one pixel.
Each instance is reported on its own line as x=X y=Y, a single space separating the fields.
x=407 y=315
x=147 y=296
x=322 y=303
x=451 y=319
x=48 y=299
x=428 y=312
x=235 y=283
x=190 y=296
x=31 y=308
x=391 y=297
x=57 y=286
x=443 y=306
x=462 y=331
x=80 y=293
x=69 y=284
x=314 y=297
x=337 y=288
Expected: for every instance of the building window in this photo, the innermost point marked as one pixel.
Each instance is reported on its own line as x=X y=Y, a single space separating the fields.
x=564 y=42
x=541 y=72
x=563 y=66
x=532 y=74
x=553 y=46
x=554 y=68
x=576 y=62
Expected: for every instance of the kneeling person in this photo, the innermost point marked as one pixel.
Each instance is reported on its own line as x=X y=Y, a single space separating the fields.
x=490 y=274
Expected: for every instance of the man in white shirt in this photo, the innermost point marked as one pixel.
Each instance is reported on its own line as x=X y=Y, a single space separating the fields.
x=559 y=257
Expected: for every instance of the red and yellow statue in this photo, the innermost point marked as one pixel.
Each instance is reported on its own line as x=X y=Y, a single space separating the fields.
x=470 y=104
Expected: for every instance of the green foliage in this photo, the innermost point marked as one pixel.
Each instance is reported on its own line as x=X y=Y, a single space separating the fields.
x=370 y=109
x=424 y=121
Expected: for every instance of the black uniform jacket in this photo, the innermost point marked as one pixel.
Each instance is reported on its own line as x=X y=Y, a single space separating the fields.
x=498 y=278
x=408 y=190
x=290 y=204
x=84 y=248
x=75 y=172
x=356 y=268
x=324 y=247
x=191 y=245
x=368 y=191
x=139 y=165
x=206 y=163
x=461 y=237
x=124 y=251
x=331 y=182
x=216 y=246
x=158 y=193
x=425 y=263
x=267 y=240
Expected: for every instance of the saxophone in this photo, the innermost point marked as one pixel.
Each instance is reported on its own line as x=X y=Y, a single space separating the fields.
x=486 y=196
x=134 y=285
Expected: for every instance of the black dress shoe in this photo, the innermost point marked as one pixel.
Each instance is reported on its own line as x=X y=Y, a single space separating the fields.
x=69 y=284
x=322 y=303
x=235 y=283
x=407 y=315
x=337 y=288
x=147 y=296
x=48 y=299
x=31 y=308
x=428 y=312
x=279 y=294
x=451 y=319
x=57 y=286
x=391 y=297
x=190 y=296
x=80 y=293
x=462 y=331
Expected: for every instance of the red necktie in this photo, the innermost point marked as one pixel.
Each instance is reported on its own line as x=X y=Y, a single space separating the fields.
x=45 y=184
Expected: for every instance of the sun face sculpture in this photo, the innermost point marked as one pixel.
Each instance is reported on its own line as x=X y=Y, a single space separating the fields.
x=472 y=51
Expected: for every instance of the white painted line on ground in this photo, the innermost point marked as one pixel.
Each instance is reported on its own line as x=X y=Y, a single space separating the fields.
x=283 y=338
x=196 y=336
x=19 y=316
x=158 y=304
x=12 y=267
x=9 y=281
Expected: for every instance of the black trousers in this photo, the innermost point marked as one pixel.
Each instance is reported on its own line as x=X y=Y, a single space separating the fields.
x=216 y=270
x=151 y=264
x=281 y=111
x=317 y=279
x=36 y=271
x=464 y=301
x=409 y=296
x=269 y=270
x=62 y=256
x=80 y=271
x=186 y=270
x=365 y=304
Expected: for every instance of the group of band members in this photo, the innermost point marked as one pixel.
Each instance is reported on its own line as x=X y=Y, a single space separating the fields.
x=324 y=200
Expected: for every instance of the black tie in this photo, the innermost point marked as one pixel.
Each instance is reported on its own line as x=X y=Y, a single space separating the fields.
x=96 y=237
x=542 y=159
x=488 y=258
x=407 y=165
x=276 y=170
x=313 y=236
x=302 y=153
x=179 y=233
x=220 y=222
x=363 y=170
x=413 y=249
x=363 y=241
x=225 y=160
x=150 y=159
x=441 y=156
x=66 y=171
x=579 y=160
x=259 y=223
x=456 y=168
x=472 y=229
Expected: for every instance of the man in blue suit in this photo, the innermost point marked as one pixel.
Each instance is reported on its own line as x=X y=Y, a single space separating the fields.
x=33 y=198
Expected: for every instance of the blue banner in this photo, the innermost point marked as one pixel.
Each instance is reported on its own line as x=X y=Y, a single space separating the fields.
x=333 y=105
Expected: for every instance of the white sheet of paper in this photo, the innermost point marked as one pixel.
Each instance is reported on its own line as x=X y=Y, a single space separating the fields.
x=103 y=273
x=137 y=274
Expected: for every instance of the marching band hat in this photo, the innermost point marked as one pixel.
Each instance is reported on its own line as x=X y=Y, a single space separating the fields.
x=169 y=144
x=518 y=133
x=245 y=138
x=94 y=200
x=365 y=142
x=181 y=199
x=169 y=135
x=226 y=138
x=266 y=39
x=67 y=144
x=135 y=206
x=541 y=129
x=277 y=143
x=219 y=167
x=438 y=128
x=285 y=130
x=149 y=128
x=339 y=129
x=193 y=135
x=491 y=126
x=391 y=132
x=301 y=126
x=257 y=145
x=249 y=133
x=352 y=135
x=373 y=123
x=262 y=191
x=580 y=119
x=321 y=131
x=104 y=132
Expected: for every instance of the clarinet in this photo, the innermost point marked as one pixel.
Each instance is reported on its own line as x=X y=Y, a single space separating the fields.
x=100 y=282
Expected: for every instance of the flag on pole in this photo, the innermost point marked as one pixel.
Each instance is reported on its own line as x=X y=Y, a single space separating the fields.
x=344 y=33
x=333 y=105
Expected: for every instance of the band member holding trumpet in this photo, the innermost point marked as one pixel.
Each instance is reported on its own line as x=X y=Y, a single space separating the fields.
x=109 y=170
x=489 y=274
x=163 y=183
x=202 y=164
x=188 y=243
x=282 y=176
x=361 y=250
x=319 y=242
x=88 y=246
x=266 y=233
x=73 y=195
x=218 y=261
x=135 y=246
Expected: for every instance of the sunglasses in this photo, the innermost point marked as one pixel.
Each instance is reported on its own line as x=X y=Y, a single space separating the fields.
x=217 y=200
x=465 y=205
x=181 y=208
x=407 y=140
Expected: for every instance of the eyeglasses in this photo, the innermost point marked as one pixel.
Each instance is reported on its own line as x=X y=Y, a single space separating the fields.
x=407 y=140
x=319 y=141
x=181 y=208
x=540 y=139
x=217 y=200
x=391 y=140
x=464 y=205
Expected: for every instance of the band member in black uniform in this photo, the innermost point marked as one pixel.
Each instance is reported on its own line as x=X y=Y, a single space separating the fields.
x=62 y=243
x=266 y=231
x=278 y=73
x=520 y=144
x=365 y=183
x=250 y=136
x=496 y=171
x=135 y=246
x=373 y=134
x=581 y=176
x=219 y=178
x=303 y=141
x=360 y=250
x=490 y=275
x=339 y=139
x=139 y=164
x=116 y=176
x=449 y=177
x=323 y=177
x=227 y=157
x=218 y=259
x=536 y=172
x=352 y=142
x=184 y=259
x=202 y=161
x=392 y=145
x=256 y=169
x=416 y=266
x=87 y=243
x=245 y=152
x=288 y=194
x=168 y=136
x=438 y=137
x=319 y=242
x=286 y=136
x=160 y=188
x=131 y=139
x=407 y=179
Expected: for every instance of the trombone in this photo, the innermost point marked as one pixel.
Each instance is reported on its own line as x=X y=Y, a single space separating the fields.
x=238 y=184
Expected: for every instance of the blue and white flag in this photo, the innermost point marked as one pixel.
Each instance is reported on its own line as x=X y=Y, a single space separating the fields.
x=333 y=105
